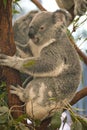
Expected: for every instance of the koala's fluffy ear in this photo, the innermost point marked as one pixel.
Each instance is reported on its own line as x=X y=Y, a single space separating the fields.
x=62 y=16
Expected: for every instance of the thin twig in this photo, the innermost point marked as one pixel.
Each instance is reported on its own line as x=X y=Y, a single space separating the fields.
x=38 y=5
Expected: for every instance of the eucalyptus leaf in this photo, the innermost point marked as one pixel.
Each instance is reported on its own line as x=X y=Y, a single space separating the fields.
x=3 y=84
x=79 y=122
x=3 y=118
x=56 y=121
x=22 y=127
x=4 y=109
x=14 y=11
x=83 y=121
x=21 y=118
x=37 y=123
x=76 y=126
x=3 y=127
x=30 y=63
x=3 y=114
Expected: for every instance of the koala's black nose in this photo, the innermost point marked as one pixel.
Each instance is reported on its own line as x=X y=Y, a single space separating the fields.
x=31 y=32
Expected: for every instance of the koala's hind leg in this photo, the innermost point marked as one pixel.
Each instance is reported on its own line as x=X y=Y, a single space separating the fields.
x=19 y=91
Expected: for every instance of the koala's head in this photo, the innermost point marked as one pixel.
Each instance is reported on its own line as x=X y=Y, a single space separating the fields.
x=44 y=25
x=21 y=27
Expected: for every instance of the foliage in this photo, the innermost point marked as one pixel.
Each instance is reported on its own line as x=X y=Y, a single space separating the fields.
x=15 y=5
x=56 y=121
x=78 y=122
x=30 y=63
x=8 y=123
x=6 y=120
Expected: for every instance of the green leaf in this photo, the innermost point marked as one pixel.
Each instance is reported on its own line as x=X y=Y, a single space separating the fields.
x=30 y=63
x=79 y=122
x=56 y=121
x=83 y=121
x=22 y=126
x=76 y=126
x=3 y=84
x=37 y=122
x=3 y=114
x=21 y=118
x=5 y=3
x=14 y=11
x=4 y=109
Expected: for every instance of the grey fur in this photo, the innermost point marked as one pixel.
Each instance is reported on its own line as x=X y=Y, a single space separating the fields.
x=22 y=40
x=80 y=6
x=21 y=29
x=55 y=66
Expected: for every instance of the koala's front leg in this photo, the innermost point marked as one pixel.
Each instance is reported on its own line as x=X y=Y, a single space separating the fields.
x=19 y=91
x=11 y=61
x=80 y=7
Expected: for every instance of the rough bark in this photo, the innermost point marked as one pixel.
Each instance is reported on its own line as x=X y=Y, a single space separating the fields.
x=7 y=46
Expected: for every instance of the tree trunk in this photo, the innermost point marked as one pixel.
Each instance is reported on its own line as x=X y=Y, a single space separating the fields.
x=7 y=46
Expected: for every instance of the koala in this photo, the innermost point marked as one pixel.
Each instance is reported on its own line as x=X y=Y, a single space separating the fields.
x=80 y=6
x=21 y=28
x=22 y=40
x=55 y=66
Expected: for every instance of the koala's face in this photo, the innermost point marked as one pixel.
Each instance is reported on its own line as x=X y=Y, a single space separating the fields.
x=44 y=25
x=40 y=29
x=21 y=27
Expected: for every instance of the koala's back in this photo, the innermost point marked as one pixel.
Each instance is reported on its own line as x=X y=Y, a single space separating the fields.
x=67 y=80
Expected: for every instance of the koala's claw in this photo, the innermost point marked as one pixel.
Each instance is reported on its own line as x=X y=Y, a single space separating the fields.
x=5 y=60
x=2 y=58
x=19 y=91
x=16 y=90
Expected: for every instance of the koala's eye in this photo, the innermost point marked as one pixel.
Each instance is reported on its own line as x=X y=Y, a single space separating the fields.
x=42 y=28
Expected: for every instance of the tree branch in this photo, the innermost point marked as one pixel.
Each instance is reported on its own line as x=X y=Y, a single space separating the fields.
x=38 y=5
x=78 y=96
x=7 y=46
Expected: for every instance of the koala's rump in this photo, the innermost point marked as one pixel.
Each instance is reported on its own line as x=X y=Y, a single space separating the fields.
x=41 y=98
x=47 y=95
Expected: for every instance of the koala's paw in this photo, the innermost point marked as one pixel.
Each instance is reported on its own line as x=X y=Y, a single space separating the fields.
x=19 y=91
x=6 y=60
x=80 y=7
x=3 y=59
